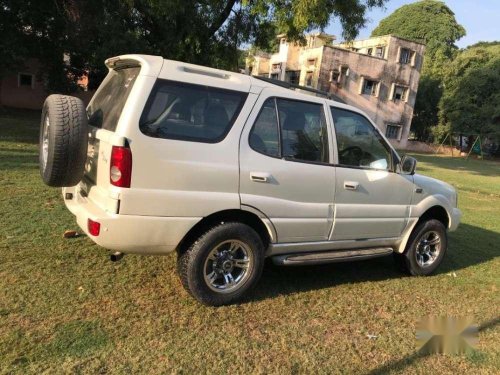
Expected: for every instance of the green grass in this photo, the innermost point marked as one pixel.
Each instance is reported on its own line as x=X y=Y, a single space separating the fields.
x=65 y=308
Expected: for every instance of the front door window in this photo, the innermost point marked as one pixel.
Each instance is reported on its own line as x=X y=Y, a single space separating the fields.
x=358 y=143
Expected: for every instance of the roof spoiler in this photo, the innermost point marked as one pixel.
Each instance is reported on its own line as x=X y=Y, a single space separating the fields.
x=150 y=65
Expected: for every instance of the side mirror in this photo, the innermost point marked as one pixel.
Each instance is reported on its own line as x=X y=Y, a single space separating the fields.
x=408 y=165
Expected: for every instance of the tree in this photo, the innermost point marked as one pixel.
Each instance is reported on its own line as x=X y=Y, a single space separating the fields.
x=470 y=103
x=434 y=24
x=430 y=22
x=208 y=32
x=428 y=96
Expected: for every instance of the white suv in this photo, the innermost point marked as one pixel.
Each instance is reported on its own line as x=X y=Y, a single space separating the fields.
x=227 y=169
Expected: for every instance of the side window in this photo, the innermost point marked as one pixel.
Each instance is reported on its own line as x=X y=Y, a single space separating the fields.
x=359 y=144
x=190 y=112
x=264 y=136
x=304 y=134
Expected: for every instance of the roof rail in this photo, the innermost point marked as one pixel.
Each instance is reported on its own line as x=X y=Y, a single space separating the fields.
x=293 y=86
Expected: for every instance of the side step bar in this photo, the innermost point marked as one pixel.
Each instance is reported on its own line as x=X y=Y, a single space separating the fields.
x=330 y=256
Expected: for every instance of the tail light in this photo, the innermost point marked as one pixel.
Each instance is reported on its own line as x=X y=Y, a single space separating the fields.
x=93 y=227
x=120 y=171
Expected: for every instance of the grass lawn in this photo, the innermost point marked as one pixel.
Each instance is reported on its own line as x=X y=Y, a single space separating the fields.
x=64 y=307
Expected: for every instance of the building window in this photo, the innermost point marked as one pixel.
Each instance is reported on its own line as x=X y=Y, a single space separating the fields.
x=400 y=93
x=25 y=80
x=334 y=76
x=276 y=66
x=392 y=131
x=369 y=87
x=379 y=52
x=311 y=62
x=293 y=76
x=275 y=76
x=339 y=77
x=309 y=79
x=406 y=56
x=370 y=51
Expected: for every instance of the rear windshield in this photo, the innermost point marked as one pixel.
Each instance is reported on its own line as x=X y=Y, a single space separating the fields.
x=107 y=105
x=190 y=112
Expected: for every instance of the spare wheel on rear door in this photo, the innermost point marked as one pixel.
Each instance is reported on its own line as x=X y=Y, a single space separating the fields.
x=63 y=140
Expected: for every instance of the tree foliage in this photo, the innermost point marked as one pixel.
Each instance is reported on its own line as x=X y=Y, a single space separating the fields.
x=208 y=32
x=433 y=23
x=426 y=107
x=430 y=22
x=471 y=100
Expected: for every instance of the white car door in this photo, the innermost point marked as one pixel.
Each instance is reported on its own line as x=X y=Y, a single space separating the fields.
x=371 y=199
x=285 y=168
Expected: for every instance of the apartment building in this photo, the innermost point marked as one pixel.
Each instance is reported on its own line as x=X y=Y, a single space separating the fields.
x=378 y=75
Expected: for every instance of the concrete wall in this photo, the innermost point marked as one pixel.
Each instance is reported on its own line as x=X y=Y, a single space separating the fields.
x=305 y=66
x=290 y=57
x=387 y=71
x=363 y=45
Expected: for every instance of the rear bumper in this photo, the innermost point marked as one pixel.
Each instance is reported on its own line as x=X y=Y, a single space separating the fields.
x=129 y=233
x=455 y=216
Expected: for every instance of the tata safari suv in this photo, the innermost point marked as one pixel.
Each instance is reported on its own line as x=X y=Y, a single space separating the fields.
x=226 y=170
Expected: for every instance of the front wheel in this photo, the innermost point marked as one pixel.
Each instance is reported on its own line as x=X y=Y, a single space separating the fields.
x=222 y=264
x=425 y=249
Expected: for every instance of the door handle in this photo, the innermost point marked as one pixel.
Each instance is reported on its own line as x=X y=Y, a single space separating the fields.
x=260 y=177
x=351 y=185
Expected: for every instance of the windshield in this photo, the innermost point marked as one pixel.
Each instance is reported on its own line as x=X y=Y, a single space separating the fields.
x=107 y=105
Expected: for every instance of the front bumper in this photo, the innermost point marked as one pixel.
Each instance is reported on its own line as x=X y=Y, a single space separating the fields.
x=129 y=233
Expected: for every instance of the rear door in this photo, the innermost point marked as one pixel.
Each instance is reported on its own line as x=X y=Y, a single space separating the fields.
x=104 y=112
x=285 y=166
x=371 y=200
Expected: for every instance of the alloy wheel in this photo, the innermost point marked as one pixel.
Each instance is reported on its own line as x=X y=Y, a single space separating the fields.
x=228 y=266
x=428 y=249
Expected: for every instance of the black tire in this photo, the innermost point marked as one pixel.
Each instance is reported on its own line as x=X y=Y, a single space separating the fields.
x=407 y=261
x=63 y=143
x=193 y=264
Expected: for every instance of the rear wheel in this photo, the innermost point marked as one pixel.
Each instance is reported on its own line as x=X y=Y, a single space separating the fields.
x=425 y=249
x=222 y=264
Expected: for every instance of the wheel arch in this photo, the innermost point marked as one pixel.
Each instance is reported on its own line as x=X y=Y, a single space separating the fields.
x=436 y=211
x=259 y=223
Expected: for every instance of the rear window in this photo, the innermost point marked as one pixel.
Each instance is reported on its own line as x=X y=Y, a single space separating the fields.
x=190 y=112
x=107 y=105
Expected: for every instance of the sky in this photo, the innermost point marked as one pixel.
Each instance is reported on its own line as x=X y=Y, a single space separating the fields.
x=480 y=18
